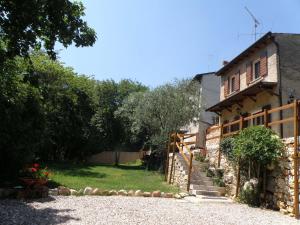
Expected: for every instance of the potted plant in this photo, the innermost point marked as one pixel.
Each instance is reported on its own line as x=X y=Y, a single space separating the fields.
x=34 y=175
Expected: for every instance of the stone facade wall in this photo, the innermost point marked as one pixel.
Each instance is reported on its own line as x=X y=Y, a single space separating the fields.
x=280 y=182
x=213 y=145
x=280 y=178
x=179 y=175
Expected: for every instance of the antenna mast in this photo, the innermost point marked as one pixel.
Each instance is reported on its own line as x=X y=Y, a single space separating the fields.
x=256 y=22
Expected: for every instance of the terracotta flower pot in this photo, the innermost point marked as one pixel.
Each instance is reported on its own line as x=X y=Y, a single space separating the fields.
x=29 y=181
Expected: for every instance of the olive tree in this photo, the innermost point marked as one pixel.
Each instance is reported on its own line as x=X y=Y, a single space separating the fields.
x=152 y=115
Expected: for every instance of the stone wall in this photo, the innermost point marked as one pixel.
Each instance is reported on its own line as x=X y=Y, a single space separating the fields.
x=280 y=183
x=280 y=176
x=179 y=176
x=213 y=145
x=109 y=157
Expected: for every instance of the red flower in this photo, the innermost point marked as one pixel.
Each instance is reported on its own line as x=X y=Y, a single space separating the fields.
x=46 y=174
x=33 y=170
x=36 y=165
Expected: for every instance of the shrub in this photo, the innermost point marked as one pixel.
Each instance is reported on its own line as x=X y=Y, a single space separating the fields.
x=258 y=144
x=249 y=195
x=226 y=146
x=200 y=158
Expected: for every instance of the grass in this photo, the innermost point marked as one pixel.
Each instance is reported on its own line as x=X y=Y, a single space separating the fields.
x=125 y=176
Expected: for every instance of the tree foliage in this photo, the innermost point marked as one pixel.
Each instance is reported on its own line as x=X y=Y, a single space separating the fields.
x=152 y=115
x=32 y=24
x=258 y=144
x=48 y=112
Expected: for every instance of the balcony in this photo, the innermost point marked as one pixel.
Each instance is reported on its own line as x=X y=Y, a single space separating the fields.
x=238 y=97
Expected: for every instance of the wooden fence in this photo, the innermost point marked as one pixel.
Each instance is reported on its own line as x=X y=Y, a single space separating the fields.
x=240 y=124
x=176 y=142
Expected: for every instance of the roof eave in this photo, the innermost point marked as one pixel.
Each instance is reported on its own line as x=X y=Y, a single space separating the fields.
x=245 y=52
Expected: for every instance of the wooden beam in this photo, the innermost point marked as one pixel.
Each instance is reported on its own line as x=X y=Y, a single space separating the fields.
x=251 y=98
x=239 y=104
x=219 y=154
x=272 y=93
x=228 y=109
x=173 y=157
x=218 y=113
x=296 y=159
x=167 y=160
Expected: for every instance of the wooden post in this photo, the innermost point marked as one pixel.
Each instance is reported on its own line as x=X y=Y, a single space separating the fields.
x=173 y=157
x=221 y=135
x=265 y=169
x=167 y=160
x=266 y=118
x=190 y=171
x=238 y=178
x=241 y=123
x=296 y=160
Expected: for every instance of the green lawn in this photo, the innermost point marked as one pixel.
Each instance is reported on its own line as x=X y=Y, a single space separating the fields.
x=128 y=176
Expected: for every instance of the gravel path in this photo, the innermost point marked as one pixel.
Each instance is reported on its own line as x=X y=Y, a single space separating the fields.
x=134 y=210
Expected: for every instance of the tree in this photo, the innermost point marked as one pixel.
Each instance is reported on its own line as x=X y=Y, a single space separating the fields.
x=31 y=24
x=109 y=97
x=154 y=114
x=258 y=146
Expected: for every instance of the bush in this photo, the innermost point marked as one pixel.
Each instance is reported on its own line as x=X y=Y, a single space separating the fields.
x=226 y=146
x=258 y=144
x=249 y=195
x=200 y=158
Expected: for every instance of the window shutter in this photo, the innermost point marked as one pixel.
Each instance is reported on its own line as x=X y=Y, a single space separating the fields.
x=237 y=81
x=226 y=89
x=249 y=73
x=263 y=64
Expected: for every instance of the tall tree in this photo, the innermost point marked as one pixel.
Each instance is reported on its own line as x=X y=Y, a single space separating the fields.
x=152 y=115
x=32 y=24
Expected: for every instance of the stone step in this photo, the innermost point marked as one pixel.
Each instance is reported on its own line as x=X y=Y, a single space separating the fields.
x=202 y=182
x=201 y=178
x=205 y=192
x=207 y=188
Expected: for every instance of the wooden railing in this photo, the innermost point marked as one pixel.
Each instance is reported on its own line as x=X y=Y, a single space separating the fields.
x=294 y=107
x=176 y=142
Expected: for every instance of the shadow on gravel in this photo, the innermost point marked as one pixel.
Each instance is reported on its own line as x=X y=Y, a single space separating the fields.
x=13 y=212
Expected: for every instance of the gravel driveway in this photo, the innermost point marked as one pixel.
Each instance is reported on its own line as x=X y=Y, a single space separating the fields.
x=134 y=210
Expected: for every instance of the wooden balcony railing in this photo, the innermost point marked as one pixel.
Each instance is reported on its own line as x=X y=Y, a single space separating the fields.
x=177 y=142
x=294 y=107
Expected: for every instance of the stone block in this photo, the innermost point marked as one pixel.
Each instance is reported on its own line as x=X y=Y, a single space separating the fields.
x=147 y=194
x=122 y=192
x=138 y=193
x=169 y=195
x=61 y=190
x=156 y=194
x=87 y=191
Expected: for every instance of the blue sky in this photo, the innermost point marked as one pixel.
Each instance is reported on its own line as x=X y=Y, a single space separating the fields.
x=155 y=41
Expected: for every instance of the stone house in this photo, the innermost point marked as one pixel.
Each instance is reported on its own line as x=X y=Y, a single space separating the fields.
x=264 y=76
x=209 y=85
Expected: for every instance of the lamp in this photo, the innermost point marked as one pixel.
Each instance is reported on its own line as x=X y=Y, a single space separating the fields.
x=291 y=94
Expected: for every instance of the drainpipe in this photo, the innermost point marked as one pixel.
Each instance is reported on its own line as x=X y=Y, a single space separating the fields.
x=279 y=84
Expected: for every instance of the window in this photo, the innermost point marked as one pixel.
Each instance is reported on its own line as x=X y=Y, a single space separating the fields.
x=235 y=127
x=232 y=85
x=215 y=120
x=261 y=119
x=225 y=129
x=256 y=69
x=246 y=122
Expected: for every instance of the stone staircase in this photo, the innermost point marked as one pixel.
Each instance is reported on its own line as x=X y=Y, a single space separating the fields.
x=200 y=183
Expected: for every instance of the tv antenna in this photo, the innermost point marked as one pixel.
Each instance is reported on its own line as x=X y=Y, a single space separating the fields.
x=256 y=22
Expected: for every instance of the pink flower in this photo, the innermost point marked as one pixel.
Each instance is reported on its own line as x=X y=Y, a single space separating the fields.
x=36 y=165
x=33 y=170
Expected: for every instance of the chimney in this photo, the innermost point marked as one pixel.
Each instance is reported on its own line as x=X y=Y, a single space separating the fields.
x=225 y=62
